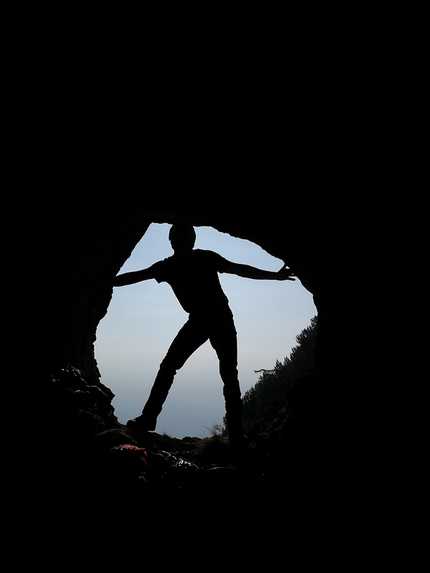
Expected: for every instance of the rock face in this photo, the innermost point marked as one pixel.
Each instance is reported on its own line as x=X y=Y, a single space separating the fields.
x=347 y=417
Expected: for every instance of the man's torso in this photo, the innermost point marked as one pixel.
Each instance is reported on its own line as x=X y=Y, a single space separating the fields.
x=194 y=279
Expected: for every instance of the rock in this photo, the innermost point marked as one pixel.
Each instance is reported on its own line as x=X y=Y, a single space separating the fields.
x=106 y=440
x=87 y=424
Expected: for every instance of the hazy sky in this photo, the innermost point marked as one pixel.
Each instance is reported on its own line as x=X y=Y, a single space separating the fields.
x=143 y=319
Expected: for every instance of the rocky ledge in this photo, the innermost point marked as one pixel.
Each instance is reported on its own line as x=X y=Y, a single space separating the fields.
x=88 y=462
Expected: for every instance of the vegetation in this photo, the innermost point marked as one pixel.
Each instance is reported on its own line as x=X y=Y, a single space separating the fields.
x=273 y=384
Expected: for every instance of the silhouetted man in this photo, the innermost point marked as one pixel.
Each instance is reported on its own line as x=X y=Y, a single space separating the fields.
x=193 y=276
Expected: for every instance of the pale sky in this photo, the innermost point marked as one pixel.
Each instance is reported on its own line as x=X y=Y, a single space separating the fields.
x=143 y=319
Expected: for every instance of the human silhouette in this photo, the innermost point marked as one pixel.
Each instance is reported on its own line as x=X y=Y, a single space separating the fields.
x=193 y=276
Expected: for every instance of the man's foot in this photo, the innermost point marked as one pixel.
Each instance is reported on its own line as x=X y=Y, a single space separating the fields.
x=141 y=424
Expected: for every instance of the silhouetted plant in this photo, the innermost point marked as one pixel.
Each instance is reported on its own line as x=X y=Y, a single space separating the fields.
x=273 y=384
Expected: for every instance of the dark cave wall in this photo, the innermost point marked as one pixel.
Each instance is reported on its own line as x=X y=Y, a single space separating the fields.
x=60 y=306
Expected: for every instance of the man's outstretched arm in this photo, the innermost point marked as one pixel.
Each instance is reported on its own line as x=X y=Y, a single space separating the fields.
x=249 y=272
x=133 y=277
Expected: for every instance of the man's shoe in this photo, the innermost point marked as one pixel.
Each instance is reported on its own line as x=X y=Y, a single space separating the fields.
x=141 y=424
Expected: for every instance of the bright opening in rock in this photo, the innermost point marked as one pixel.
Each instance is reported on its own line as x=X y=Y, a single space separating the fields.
x=143 y=319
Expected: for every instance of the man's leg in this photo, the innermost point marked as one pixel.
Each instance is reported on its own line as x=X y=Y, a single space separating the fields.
x=191 y=336
x=223 y=338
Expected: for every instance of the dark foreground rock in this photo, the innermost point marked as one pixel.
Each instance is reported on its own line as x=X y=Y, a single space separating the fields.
x=88 y=464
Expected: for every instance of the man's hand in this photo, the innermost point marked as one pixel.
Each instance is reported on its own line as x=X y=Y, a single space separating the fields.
x=249 y=272
x=285 y=274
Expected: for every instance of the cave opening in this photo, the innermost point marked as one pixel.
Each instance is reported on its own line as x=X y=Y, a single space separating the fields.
x=142 y=320
x=349 y=440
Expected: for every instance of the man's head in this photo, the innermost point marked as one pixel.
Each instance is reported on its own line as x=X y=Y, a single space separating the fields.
x=182 y=237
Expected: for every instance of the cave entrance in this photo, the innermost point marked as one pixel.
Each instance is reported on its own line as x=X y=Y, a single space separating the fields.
x=143 y=319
